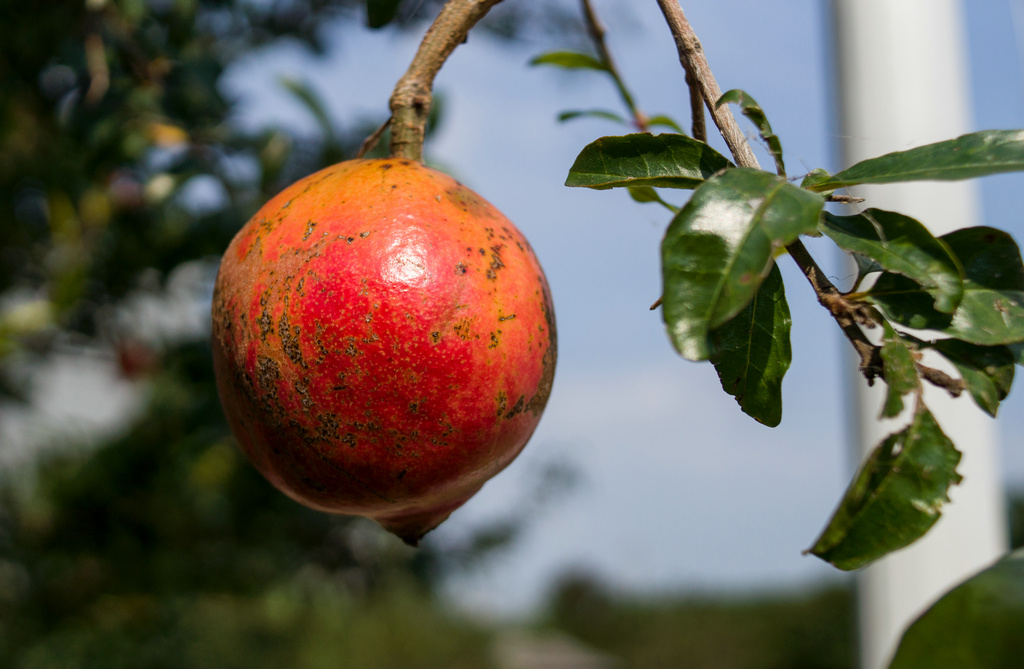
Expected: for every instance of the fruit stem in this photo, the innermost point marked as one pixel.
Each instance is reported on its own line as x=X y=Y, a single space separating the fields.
x=411 y=99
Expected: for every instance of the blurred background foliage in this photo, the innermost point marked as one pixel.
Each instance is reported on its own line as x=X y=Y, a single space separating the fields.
x=159 y=546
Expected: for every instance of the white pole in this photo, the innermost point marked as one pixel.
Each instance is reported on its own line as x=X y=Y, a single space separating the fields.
x=903 y=82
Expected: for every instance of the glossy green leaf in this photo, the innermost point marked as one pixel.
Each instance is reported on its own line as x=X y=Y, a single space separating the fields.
x=967 y=157
x=992 y=309
x=751 y=351
x=895 y=498
x=977 y=625
x=987 y=371
x=718 y=250
x=644 y=194
x=662 y=121
x=748 y=105
x=570 y=60
x=379 y=13
x=900 y=371
x=642 y=159
x=900 y=244
x=591 y=113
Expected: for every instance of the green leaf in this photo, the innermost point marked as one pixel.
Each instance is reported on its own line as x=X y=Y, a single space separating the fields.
x=900 y=371
x=662 y=121
x=902 y=245
x=895 y=498
x=967 y=157
x=987 y=371
x=748 y=105
x=642 y=159
x=379 y=13
x=644 y=194
x=992 y=309
x=751 y=351
x=591 y=113
x=815 y=177
x=718 y=250
x=570 y=60
x=865 y=266
x=977 y=625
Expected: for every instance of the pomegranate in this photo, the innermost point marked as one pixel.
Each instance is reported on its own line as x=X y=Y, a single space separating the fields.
x=384 y=342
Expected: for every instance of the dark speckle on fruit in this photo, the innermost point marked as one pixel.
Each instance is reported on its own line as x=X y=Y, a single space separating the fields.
x=267 y=374
x=328 y=426
x=290 y=340
x=517 y=408
x=315 y=485
x=266 y=324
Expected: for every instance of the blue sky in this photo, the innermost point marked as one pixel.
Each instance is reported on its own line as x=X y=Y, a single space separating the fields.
x=677 y=489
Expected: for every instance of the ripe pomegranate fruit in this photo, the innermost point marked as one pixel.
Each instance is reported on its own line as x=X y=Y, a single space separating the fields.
x=383 y=341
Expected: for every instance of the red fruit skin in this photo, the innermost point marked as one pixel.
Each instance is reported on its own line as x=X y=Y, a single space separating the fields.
x=384 y=342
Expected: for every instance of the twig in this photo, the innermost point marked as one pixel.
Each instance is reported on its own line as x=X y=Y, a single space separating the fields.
x=849 y=315
x=371 y=142
x=691 y=56
x=411 y=99
x=940 y=379
x=844 y=199
x=597 y=33
x=698 y=127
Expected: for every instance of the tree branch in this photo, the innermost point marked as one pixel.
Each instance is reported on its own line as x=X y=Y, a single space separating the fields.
x=849 y=315
x=412 y=97
x=597 y=32
x=940 y=379
x=691 y=56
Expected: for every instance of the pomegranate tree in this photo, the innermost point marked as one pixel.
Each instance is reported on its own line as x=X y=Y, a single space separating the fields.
x=384 y=342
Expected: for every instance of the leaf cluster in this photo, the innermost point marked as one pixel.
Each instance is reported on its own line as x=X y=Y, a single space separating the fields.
x=724 y=300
